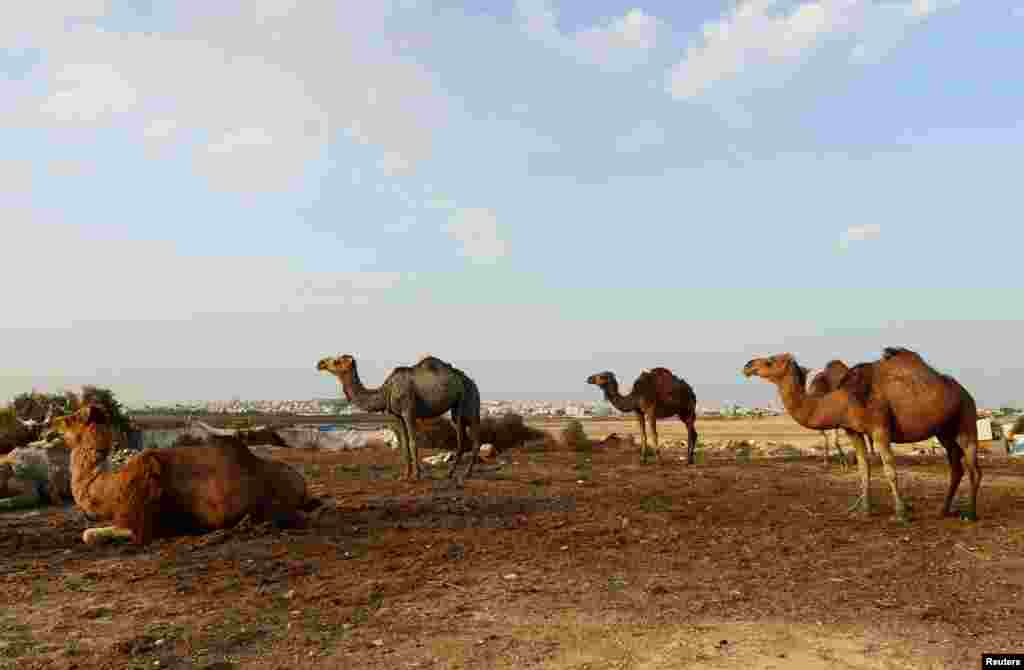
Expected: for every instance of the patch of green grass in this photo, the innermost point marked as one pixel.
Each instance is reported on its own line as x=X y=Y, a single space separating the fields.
x=363 y=612
x=16 y=641
x=78 y=584
x=656 y=503
x=616 y=583
x=234 y=635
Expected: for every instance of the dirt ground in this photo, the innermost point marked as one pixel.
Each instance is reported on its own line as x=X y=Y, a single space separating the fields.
x=557 y=558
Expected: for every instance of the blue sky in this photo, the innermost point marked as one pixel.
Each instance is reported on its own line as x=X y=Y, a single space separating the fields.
x=206 y=201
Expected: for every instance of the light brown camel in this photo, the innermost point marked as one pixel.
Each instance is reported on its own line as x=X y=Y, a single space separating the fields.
x=426 y=390
x=178 y=490
x=828 y=380
x=656 y=394
x=896 y=399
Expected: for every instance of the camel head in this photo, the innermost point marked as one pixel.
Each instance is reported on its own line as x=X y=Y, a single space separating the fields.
x=77 y=425
x=337 y=365
x=602 y=379
x=772 y=368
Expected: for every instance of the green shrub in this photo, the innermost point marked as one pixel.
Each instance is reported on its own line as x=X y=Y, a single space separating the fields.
x=574 y=436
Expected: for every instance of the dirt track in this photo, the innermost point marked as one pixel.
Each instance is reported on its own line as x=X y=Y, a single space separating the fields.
x=559 y=559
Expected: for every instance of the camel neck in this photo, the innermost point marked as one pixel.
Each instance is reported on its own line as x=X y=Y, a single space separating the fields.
x=810 y=411
x=369 y=400
x=618 y=401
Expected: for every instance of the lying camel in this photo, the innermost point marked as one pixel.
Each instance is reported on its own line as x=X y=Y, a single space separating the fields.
x=174 y=491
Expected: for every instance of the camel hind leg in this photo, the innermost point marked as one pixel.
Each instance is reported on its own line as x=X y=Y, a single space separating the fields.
x=691 y=437
x=460 y=443
x=473 y=436
x=954 y=454
x=969 y=443
x=652 y=424
x=643 y=436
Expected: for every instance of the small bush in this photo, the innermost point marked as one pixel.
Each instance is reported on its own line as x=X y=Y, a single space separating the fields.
x=574 y=436
x=507 y=431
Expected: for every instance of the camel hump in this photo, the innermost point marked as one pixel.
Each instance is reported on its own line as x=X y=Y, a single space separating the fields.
x=895 y=352
x=858 y=381
x=432 y=363
x=659 y=381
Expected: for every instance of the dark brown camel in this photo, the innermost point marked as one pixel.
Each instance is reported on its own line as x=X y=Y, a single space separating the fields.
x=656 y=394
x=898 y=398
x=426 y=390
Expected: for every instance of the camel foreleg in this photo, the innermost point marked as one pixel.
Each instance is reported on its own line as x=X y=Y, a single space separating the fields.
x=889 y=465
x=863 y=503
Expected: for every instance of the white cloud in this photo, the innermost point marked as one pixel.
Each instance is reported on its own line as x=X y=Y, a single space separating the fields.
x=476 y=228
x=1018 y=12
x=46 y=19
x=70 y=168
x=621 y=43
x=296 y=71
x=159 y=283
x=867 y=231
x=644 y=135
x=761 y=36
x=87 y=92
x=160 y=129
x=15 y=176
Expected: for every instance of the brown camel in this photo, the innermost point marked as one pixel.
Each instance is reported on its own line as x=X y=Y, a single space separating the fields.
x=896 y=399
x=178 y=490
x=426 y=390
x=656 y=394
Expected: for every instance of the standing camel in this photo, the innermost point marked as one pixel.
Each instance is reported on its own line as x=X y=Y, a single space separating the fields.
x=898 y=398
x=426 y=390
x=656 y=394
x=828 y=380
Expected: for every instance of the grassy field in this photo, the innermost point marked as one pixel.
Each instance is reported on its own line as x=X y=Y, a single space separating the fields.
x=555 y=558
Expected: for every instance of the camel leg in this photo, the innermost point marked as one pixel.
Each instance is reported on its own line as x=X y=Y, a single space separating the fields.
x=404 y=439
x=970 y=458
x=473 y=430
x=839 y=450
x=863 y=503
x=691 y=437
x=459 y=445
x=889 y=465
x=652 y=421
x=643 y=437
x=956 y=471
x=824 y=435
x=413 y=464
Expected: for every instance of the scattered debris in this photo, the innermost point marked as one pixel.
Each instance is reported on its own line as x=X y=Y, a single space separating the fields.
x=438 y=459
